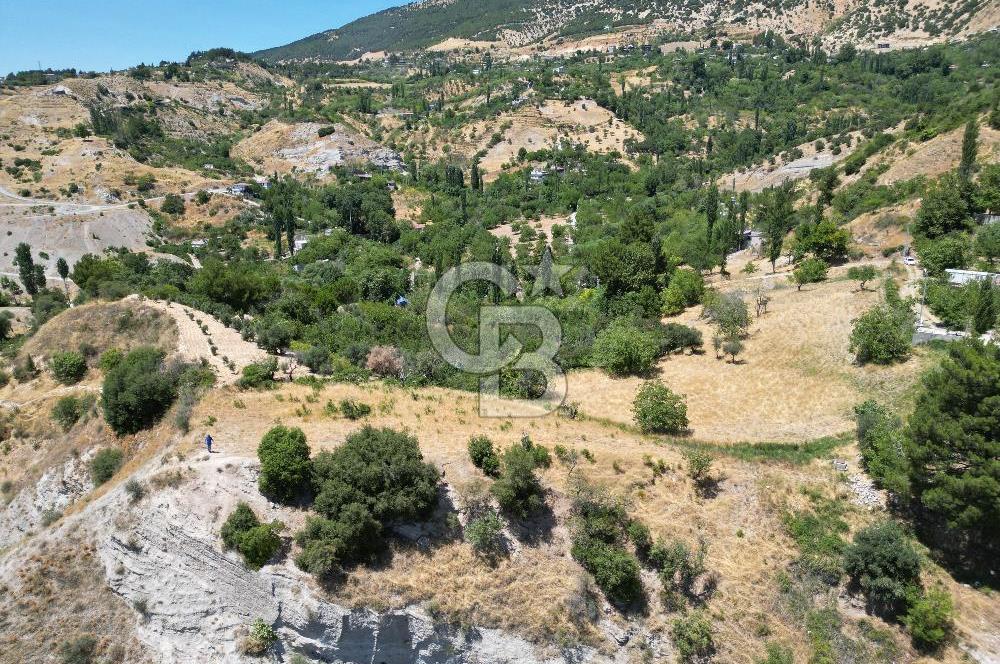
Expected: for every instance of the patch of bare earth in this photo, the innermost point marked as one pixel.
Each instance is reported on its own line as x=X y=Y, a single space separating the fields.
x=199 y=333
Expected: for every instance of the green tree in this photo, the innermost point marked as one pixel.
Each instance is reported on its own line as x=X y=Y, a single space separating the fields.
x=970 y=148
x=862 y=274
x=656 y=409
x=988 y=242
x=882 y=335
x=483 y=456
x=810 y=271
x=172 y=204
x=953 y=446
x=26 y=268
x=984 y=306
x=943 y=210
x=285 y=468
x=774 y=218
x=622 y=349
x=685 y=290
x=138 y=391
x=63 y=269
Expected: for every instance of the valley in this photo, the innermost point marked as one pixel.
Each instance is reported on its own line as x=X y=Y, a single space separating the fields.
x=280 y=334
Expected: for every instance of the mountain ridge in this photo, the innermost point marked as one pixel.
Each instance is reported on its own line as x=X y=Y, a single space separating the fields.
x=519 y=23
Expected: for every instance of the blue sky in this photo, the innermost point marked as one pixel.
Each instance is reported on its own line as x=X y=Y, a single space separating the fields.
x=120 y=33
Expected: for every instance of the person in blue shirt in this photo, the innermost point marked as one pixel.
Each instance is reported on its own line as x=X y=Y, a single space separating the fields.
x=208 y=442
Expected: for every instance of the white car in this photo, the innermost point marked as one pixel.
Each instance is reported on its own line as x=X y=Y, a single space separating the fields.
x=909 y=260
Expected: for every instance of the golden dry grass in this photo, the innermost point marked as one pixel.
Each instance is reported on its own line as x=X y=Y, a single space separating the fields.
x=61 y=594
x=540 y=592
x=124 y=324
x=796 y=379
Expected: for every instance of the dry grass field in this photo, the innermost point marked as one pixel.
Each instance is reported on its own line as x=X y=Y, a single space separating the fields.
x=795 y=381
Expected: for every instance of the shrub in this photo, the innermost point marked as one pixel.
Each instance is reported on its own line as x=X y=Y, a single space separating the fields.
x=600 y=528
x=615 y=571
x=26 y=369
x=67 y=411
x=172 y=204
x=285 y=468
x=518 y=490
x=931 y=620
x=354 y=410
x=678 y=337
x=881 y=440
x=699 y=466
x=135 y=490
x=882 y=335
x=685 y=290
x=376 y=477
x=884 y=566
x=68 y=367
x=259 y=375
x=483 y=456
x=638 y=534
x=110 y=359
x=657 y=409
x=138 y=391
x=778 y=654
x=678 y=566
x=80 y=650
x=105 y=464
x=693 y=637
x=485 y=534
x=50 y=516
x=262 y=637
x=623 y=349
x=385 y=362
x=241 y=520
x=259 y=544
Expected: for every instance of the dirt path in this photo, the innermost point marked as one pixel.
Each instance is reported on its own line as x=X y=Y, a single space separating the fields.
x=194 y=343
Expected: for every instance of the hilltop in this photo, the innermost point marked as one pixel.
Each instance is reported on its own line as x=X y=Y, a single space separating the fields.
x=544 y=25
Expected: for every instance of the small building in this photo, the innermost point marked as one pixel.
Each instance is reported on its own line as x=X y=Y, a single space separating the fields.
x=300 y=243
x=198 y=244
x=987 y=218
x=754 y=241
x=963 y=277
x=884 y=46
x=239 y=189
x=538 y=174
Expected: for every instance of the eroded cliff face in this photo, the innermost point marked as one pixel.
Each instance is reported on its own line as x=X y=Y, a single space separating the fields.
x=193 y=602
x=58 y=488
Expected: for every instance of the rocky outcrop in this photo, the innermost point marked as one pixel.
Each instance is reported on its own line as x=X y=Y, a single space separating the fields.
x=163 y=555
x=58 y=488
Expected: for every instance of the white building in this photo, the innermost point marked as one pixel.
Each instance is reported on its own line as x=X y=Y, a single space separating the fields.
x=963 y=277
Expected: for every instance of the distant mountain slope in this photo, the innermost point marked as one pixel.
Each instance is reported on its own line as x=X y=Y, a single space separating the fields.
x=520 y=22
